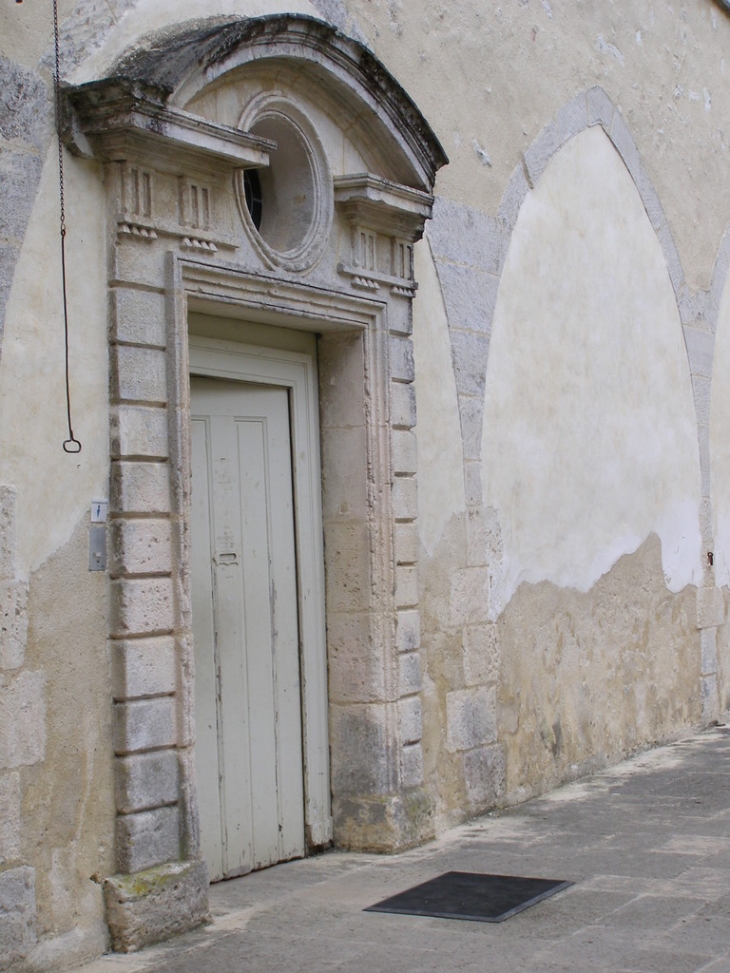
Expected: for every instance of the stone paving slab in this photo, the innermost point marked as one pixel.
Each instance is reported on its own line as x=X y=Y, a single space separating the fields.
x=647 y=844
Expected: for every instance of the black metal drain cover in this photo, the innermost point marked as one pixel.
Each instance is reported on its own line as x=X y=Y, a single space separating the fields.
x=469 y=895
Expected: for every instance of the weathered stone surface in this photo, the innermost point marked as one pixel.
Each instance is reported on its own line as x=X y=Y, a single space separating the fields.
x=22 y=719
x=147 y=839
x=402 y=405
x=356 y=669
x=8 y=510
x=484 y=771
x=406 y=586
x=469 y=295
x=471 y=412
x=9 y=817
x=143 y=667
x=17 y=915
x=141 y=606
x=20 y=174
x=410 y=673
x=708 y=649
x=362 y=753
x=410 y=718
x=469 y=599
x=404 y=451
x=405 y=498
x=412 y=772
x=406 y=543
x=13 y=623
x=139 y=374
x=138 y=317
x=700 y=348
x=155 y=904
x=408 y=630
x=471 y=718
x=481 y=654
x=465 y=236
x=401 y=359
x=710 y=607
x=469 y=351
x=25 y=108
x=139 y=488
x=146 y=780
x=140 y=547
x=139 y=431
x=145 y=724
x=348 y=566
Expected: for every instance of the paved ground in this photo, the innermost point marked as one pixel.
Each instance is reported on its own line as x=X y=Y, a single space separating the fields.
x=646 y=843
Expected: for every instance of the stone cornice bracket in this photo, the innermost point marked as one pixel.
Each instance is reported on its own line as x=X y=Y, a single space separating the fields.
x=377 y=208
x=118 y=120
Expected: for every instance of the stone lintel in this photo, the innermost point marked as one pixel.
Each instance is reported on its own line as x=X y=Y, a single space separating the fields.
x=155 y=904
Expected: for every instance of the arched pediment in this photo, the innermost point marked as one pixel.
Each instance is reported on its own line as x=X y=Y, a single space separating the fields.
x=175 y=67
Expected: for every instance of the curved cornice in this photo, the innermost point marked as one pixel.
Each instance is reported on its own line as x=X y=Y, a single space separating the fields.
x=181 y=62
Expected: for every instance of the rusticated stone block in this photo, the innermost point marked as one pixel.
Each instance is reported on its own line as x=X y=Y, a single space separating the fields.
x=405 y=537
x=147 y=839
x=402 y=405
x=405 y=498
x=138 y=317
x=139 y=431
x=22 y=719
x=141 y=606
x=144 y=724
x=139 y=488
x=140 y=547
x=412 y=772
x=155 y=904
x=17 y=915
x=408 y=630
x=401 y=359
x=406 y=586
x=410 y=673
x=146 y=780
x=410 y=719
x=471 y=718
x=139 y=374
x=143 y=667
x=404 y=451
x=13 y=623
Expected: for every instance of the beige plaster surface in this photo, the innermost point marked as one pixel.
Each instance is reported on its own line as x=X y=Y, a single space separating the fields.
x=589 y=437
x=440 y=457
x=489 y=77
x=55 y=488
x=68 y=807
x=720 y=442
x=588 y=678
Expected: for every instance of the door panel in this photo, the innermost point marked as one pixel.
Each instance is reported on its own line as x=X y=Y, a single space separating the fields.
x=245 y=625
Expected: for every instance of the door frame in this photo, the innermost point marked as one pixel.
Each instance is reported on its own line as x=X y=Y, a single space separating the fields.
x=297 y=373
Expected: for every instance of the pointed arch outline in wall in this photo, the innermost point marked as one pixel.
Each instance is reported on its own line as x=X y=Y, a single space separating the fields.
x=587 y=110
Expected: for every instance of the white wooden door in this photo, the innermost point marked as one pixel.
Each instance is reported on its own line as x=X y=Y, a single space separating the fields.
x=245 y=627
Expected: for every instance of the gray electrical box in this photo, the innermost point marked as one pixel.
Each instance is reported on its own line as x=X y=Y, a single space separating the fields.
x=97 y=548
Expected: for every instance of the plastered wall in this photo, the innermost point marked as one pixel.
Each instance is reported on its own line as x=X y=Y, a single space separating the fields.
x=571 y=315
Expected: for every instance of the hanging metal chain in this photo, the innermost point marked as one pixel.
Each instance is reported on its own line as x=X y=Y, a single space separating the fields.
x=72 y=444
